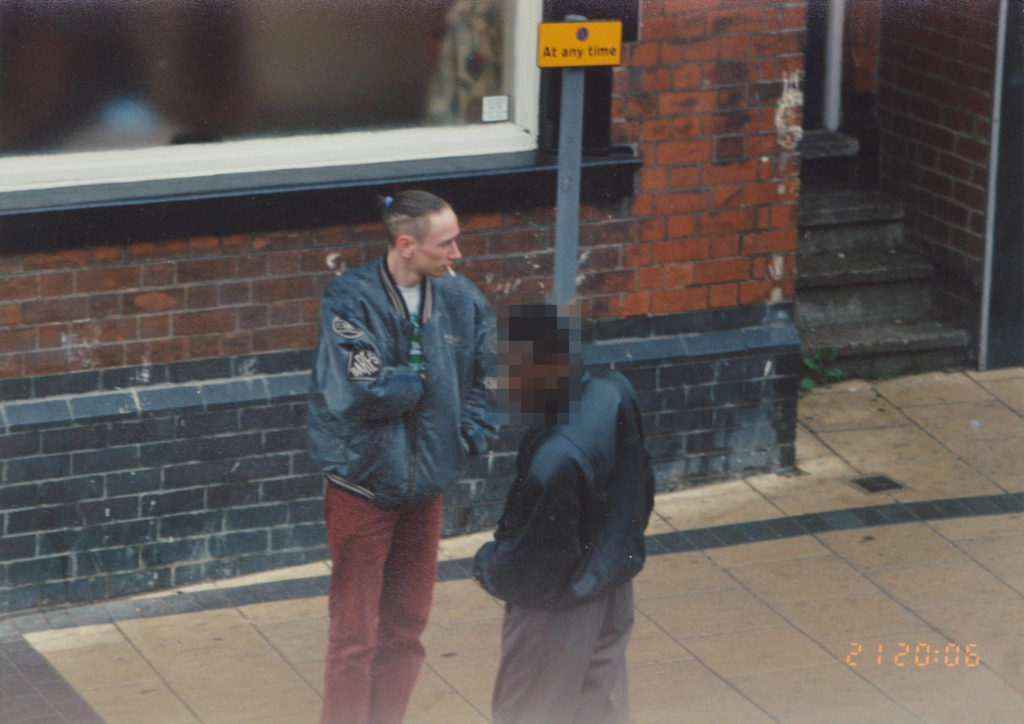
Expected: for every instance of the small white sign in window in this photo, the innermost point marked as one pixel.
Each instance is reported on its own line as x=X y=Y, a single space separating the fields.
x=495 y=109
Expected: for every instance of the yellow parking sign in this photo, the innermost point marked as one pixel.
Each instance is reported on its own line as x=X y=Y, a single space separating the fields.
x=572 y=44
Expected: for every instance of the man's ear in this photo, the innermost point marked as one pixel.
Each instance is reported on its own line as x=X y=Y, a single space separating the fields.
x=405 y=245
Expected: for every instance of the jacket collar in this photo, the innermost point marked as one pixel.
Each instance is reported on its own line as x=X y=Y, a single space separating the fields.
x=391 y=288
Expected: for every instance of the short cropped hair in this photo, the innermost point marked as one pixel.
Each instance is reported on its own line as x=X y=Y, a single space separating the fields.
x=553 y=330
x=406 y=213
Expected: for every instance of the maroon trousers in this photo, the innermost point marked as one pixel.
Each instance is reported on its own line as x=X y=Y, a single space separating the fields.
x=384 y=563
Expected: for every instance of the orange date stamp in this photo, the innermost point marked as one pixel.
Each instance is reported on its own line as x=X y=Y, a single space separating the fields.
x=920 y=654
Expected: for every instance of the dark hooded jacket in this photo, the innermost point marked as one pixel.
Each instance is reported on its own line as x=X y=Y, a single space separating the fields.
x=574 y=521
x=375 y=427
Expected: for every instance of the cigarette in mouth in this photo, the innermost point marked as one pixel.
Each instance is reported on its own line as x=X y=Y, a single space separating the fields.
x=449 y=268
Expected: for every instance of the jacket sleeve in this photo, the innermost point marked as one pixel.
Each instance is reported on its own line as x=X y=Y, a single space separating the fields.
x=350 y=371
x=646 y=466
x=537 y=544
x=478 y=424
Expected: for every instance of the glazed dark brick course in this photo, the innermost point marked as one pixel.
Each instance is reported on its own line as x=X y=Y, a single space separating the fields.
x=279 y=440
x=167 y=552
x=305 y=511
x=110 y=406
x=156 y=400
x=118 y=458
x=126 y=584
x=233 y=446
x=70 y=489
x=123 y=433
x=15 y=547
x=79 y=438
x=262 y=466
x=188 y=475
x=133 y=481
x=232 y=495
x=207 y=423
x=38 y=569
x=236 y=543
x=160 y=454
x=70 y=384
x=108 y=510
x=13 y=446
x=107 y=560
x=209 y=478
x=265 y=418
x=51 y=517
x=158 y=504
x=190 y=524
x=260 y=516
x=298 y=536
x=34 y=468
x=293 y=488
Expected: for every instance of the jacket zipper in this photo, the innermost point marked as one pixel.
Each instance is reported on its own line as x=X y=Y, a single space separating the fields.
x=399 y=304
x=412 y=453
x=412 y=464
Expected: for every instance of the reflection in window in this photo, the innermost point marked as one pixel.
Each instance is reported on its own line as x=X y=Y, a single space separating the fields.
x=109 y=74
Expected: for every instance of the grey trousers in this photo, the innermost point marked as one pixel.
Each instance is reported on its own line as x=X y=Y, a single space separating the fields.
x=566 y=666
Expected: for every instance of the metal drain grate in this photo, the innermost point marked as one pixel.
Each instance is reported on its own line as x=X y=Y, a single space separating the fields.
x=876 y=483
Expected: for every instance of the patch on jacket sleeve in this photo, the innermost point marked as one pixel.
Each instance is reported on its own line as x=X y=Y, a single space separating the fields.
x=346 y=329
x=363 y=364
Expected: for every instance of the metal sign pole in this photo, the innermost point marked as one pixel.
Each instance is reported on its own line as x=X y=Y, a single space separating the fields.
x=572 y=45
x=567 y=199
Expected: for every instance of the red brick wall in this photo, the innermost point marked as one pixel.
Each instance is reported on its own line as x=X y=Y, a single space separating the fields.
x=154 y=302
x=860 y=44
x=703 y=96
x=935 y=102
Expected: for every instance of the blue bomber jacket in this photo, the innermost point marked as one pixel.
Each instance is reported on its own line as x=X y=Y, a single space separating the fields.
x=573 y=524
x=375 y=427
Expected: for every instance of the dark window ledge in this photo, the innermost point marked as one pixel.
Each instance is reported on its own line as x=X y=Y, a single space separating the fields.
x=302 y=197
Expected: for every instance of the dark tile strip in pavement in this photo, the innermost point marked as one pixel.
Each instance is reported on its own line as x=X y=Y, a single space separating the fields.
x=810 y=523
x=453 y=570
x=32 y=692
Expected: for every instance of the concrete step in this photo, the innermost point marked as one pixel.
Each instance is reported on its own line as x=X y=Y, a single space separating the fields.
x=867 y=286
x=819 y=143
x=846 y=220
x=887 y=348
x=871 y=267
x=843 y=206
x=827 y=158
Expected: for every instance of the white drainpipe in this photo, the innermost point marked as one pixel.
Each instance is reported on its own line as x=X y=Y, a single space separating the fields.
x=834 y=64
x=993 y=173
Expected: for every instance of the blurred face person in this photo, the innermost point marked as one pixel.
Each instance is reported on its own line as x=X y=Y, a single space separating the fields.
x=536 y=380
x=537 y=375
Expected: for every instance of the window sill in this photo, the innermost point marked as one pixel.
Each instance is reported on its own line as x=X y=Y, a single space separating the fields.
x=288 y=181
x=296 y=198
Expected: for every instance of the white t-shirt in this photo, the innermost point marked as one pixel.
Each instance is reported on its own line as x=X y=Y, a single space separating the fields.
x=412 y=296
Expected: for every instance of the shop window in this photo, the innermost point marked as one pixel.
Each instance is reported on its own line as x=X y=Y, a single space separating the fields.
x=112 y=92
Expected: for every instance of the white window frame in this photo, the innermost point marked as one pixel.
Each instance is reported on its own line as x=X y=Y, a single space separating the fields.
x=41 y=172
